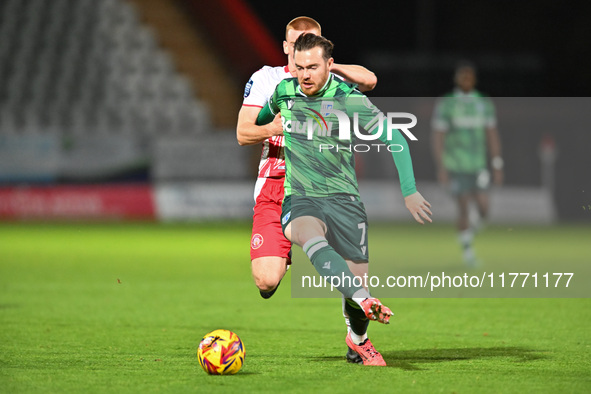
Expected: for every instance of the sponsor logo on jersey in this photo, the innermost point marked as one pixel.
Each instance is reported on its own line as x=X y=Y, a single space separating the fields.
x=469 y=122
x=316 y=123
x=286 y=218
x=256 y=241
x=375 y=125
x=247 y=88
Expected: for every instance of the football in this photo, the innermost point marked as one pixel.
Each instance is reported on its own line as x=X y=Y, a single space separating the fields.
x=221 y=352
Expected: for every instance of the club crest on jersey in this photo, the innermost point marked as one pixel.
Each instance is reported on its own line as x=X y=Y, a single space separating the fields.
x=247 y=88
x=256 y=241
x=326 y=107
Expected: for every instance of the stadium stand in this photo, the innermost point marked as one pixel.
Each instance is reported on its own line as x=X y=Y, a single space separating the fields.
x=111 y=90
x=85 y=66
x=197 y=55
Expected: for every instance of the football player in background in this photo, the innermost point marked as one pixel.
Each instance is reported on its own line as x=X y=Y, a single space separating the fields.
x=464 y=131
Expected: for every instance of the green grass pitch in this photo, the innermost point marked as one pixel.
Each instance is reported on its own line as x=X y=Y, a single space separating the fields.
x=121 y=308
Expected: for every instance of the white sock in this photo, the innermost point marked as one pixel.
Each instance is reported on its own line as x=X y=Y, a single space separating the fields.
x=465 y=237
x=358 y=339
x=345 y=315
x=360 y=295
x=469 y=254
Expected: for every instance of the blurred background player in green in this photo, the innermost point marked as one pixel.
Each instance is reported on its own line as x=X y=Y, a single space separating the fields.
x=464 y=135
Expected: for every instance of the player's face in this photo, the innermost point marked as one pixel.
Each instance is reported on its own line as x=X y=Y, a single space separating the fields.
x=466 y=79
x=312 y=69
x=290 y=39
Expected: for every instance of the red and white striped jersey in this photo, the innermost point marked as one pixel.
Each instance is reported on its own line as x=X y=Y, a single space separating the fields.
x=257 y=92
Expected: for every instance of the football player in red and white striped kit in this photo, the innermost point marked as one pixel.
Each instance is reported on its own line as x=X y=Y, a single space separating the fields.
x=269 y=249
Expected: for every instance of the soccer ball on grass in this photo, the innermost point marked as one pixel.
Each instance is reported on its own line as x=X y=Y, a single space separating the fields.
x=221 y=352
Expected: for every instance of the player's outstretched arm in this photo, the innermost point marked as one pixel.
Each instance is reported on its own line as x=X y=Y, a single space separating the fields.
x=414 y=201
x=249 y=133
x=419 y=207
x=365 y=79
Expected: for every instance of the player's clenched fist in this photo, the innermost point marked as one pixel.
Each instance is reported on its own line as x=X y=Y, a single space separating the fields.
x=275 y=127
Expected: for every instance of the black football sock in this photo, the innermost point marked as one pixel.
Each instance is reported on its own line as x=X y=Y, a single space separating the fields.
x=358 y=321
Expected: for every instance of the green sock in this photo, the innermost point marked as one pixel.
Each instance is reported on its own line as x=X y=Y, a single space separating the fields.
x=331 y=266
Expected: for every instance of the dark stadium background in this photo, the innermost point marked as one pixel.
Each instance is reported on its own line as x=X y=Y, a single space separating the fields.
x=522 y=49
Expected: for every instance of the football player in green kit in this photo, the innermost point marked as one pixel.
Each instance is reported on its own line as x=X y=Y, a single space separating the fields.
x=322 y=211
x=464 y=132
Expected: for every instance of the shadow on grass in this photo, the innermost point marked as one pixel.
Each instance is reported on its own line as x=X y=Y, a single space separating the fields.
x=411 y=359
x=244 y=373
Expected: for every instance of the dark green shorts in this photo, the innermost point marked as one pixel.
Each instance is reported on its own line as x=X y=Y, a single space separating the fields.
x=462 y=183
x=345 y=219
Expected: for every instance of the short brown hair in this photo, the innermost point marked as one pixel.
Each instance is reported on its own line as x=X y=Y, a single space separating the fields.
x=462 y=64
x=303 y=23
x=308 y=41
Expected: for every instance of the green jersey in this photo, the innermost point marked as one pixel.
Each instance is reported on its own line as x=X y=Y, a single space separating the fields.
x=319 y=153
x=464 y=117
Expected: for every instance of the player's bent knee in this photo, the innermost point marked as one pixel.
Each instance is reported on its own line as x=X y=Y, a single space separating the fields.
x=268 y=272
x=267 y=281
x=266 y=284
